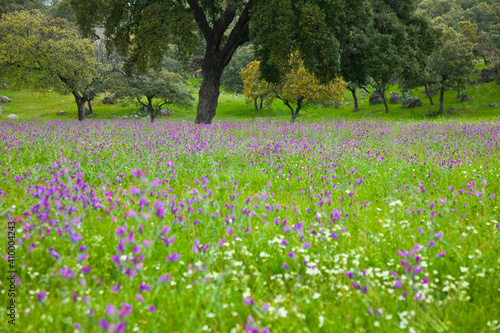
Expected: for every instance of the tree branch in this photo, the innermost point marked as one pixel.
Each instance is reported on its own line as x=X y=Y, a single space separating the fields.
x=201 y=19
x=239 y=34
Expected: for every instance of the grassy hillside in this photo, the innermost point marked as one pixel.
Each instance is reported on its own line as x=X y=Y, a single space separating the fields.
x=39 y=106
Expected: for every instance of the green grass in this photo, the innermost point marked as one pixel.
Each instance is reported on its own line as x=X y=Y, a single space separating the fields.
x=232 y=107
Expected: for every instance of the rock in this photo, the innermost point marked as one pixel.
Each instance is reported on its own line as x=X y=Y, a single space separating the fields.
x=13 y=116
x=396 y=98
x=375 y=98
x=110 y=99
x=87 y=112
x=1 y=110
x=115 y=117
x=495 y=105
x=463 y=98
x=90 y=115
x=476 y=71
x=165 y=112
x=4 y=99
x=412 y=102
x=136 y=116
x=4 y=85
x=406 y=96
x=486 y=75
x=357 y=110
x=498 y=80
x=61 y=113
x=144 y=109
x=350 y=103
x=362 y=96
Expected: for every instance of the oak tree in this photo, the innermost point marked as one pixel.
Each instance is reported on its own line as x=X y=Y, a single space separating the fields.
x=144 y=29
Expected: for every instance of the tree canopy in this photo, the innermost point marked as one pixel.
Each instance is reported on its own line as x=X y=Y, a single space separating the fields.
x=143 y=30
x=44 y=54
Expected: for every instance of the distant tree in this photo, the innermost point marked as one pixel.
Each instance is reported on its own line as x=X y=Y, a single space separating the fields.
x=299 y=87
x=7 y=6
x=40 y=53
x=485 y=48
x=452 y=61
x=397 y=43
x=158 y=88
x=468 y=29
x=255 y=88
x=231 y=77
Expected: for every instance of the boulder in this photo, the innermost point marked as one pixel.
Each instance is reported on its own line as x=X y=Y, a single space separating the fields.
x=1 y=110
x=165 y=112
x=362 y=96
x=486 y=75
x=4 y=85
x=87 y=112
x=375 y=98
x=4 y=99
x=495 y=105
x=412 y=102
x=476 y=71
x=110 y=99
x=463 y=98
x=115 y=117
x=406 y=96
x=61 y=113
x=396 y=98
x=144 y=109
x=13 y=116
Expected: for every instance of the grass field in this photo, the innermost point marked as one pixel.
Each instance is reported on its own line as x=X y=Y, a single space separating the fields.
x=347 y=221
x=257 y=227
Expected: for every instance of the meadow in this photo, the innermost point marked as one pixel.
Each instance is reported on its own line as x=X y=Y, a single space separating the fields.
x=263 y=226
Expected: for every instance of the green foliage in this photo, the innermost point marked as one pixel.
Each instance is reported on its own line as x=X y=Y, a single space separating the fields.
x=298 y=88
x=231 y=77
x=159 y=88
x=47 y=54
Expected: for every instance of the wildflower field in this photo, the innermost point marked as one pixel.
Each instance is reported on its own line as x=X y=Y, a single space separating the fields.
x=124 y=226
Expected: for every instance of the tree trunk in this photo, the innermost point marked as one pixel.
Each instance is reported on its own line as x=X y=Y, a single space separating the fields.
x=89 y=103
x=428 y=94
x=485 y=60
x=261 y=103
x=458 y=89
x=80 y=103
x=220 y=48
x=353 y=91
x=152 y=112
x=209 y=92
x=382 y=94
x=441 y=101
x=256 y=105
x=296 y=112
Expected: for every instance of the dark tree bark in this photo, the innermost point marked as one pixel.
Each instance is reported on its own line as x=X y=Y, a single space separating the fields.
x=89 y=103
x=261 y=103
x=217 y=58
x=296 y=112
x=353 y=92
x=256 y=105
x=382 y=94
x=428 y=94
x=441 y=101
x=80 y=103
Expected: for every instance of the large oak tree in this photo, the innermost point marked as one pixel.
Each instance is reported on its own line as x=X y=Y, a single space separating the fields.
x=143 y=30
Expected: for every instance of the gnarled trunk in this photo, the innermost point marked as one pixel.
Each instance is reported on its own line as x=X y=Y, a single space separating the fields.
x=441 y=101
x=209 y=92
x=355 y=97
x=428 y=94
x=80 y=103
x=382 y=94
